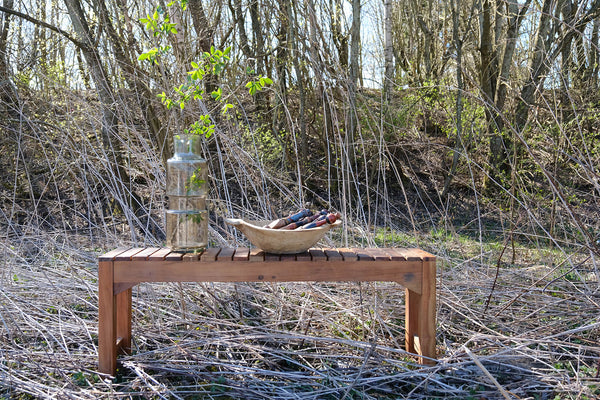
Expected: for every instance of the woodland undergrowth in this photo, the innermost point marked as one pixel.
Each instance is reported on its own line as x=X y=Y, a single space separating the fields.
x=518 y=293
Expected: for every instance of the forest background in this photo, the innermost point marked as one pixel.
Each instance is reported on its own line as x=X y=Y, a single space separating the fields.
x=468 y=128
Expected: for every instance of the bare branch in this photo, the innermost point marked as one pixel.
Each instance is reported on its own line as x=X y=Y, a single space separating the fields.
x=44 y=25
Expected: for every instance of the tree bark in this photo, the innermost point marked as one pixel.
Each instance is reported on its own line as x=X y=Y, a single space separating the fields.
x=537 y=67
x=459 y=147
x=293 y=38
x=281 y=67
x=353 y=79
x=340 y=39
x=8 y=92
x=204 y=30
x=319 y=70
x=494 y=79
x=236 y=10
x=206 y=36
x=388 y=76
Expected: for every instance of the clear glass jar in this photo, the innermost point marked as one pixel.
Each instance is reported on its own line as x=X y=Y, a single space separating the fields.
x=187 y=215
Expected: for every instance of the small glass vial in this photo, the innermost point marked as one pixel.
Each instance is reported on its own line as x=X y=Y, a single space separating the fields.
x=187 y=215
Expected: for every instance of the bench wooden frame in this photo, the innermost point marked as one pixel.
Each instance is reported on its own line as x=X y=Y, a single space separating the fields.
x=121 y=269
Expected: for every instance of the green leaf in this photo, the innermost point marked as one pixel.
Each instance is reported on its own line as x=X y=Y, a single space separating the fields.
x=226 y=108
x=217 y=94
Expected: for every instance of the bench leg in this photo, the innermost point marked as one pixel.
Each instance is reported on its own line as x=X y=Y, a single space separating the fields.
x=124 y=322
x=107 y=320
x=421 y=316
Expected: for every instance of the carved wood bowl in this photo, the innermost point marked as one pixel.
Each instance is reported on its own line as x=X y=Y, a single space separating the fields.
x=280 y=241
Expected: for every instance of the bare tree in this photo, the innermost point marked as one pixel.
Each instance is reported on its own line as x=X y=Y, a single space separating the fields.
x=353 y=77
x=388 y=76
x=7 y=89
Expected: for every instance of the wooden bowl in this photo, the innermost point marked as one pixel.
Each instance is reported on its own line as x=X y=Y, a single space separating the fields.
x=280 y=241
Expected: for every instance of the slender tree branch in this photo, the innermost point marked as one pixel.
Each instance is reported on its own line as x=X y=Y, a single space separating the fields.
x=45 y=25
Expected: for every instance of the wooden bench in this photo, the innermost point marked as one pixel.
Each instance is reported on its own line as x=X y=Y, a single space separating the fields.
x=121 y=269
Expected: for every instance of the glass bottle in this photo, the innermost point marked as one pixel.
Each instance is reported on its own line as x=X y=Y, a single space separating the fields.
x=187 y=215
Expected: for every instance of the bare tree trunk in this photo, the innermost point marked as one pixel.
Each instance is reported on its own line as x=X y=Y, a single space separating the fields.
x=236 y=10
x=257 y=37
x=353 y=78
x=459 y=147
x=494 y=79
x=339 y=38
x=499 y=147
x=203 y=29
x=594 y=59
x=8 y=92
x=261 y=98
x=206 y=34
x=388 y=76
x=538 y=66
x=319 y=68
x=281 y=61
x=293 y=38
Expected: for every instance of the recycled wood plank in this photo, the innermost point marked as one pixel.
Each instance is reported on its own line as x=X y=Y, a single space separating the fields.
x=174 y=256
x=425 y=256
x=112 y=254
x=317 y=255
x=225 y=254
x=256 y=255
x=305 y=256
x=159 y=255
x=241 y=254
x=144 y=254
x=126 y=255
x=210 y=254
x=378 y=254
x=190 y=257
x=396 y=254
x=348 y=254
x=363 y=255
x=287 y=257
x=411 y=254
x=333 y=254
x=272 y=257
